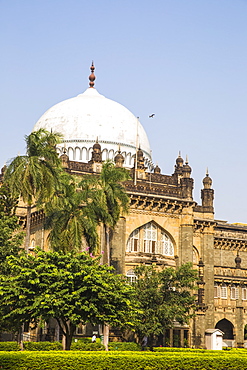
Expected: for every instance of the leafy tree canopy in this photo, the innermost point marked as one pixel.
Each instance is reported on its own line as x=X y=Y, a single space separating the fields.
x=10 y=236
x=165 y=297
x=72 y=288
x=70 y=217
x=34 y=176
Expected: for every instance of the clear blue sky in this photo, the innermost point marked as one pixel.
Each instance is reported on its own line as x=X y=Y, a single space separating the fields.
x=184 y=60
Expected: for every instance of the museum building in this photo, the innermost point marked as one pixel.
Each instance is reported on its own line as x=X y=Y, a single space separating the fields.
x=164 y=225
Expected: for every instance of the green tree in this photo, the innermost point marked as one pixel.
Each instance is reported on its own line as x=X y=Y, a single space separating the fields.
x=109 y=201
x=11 y=237
x=72 y=288
x=108 y=198
x=70 y=217
x=164 y=296
x=34 y=176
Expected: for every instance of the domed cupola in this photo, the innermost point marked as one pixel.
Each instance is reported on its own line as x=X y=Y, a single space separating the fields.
x=179 y=165
x=119 y=159
x=207 y=181
x=157 y=169
x=186 y=169
x=207 y=194
x=82 y=118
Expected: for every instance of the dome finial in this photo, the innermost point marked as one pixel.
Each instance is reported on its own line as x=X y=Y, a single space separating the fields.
x=92 y=76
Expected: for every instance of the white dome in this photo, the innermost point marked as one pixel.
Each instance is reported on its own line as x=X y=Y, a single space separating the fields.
x=88 y=116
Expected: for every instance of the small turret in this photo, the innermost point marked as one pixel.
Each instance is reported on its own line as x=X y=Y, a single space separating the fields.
x=186 y=170
x=119 y=159
x=96 y=153
x=186 y=182
x=207 y=194
x=96 y=160
x=65 y=159
x=207 y=181
x=157 y=169
x=179 y=165
x=139 y=167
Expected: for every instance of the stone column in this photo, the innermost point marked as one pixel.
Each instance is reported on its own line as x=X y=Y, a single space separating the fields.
x=171 y=337
x=208 y=260
x=186 y=236
x=182 y=338
x=198 y=334
x=118 y=246
x=239 y=329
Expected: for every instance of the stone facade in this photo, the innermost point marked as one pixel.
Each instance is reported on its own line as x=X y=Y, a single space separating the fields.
x=167 y=227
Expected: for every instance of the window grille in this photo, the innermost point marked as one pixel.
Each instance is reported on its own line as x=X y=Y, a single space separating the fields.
x=244 y=293
x=150 y=239
x=224 y=291
x=131 y=277
x=133 y=242
x=234 y=292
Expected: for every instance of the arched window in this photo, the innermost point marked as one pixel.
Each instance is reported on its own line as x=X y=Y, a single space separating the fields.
x=71 y=154
x=244 y=293
x=105 y=155
x=77 y=154
x=133 y=241
x=217 y=291
x=234 y=292
x=149 y=238
x=131 y=277
x=84 y=155
x=224 y=291
x=166 y=245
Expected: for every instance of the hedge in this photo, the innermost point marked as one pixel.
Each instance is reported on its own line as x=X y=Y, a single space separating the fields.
x=124 y=346
x=85 y=346
x=9 y=346
x=214 y=360
x=42 y=346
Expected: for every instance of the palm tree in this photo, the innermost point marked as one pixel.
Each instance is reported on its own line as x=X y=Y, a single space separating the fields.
x=109 y=203
x=35 y=176
x=115 y=198
x=70 y=217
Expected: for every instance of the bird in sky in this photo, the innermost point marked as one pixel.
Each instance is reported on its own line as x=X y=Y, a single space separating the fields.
x=152 y=115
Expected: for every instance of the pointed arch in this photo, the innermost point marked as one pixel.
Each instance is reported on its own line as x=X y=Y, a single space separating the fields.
x=150 y=238
x=227 y=327
x=195 y=256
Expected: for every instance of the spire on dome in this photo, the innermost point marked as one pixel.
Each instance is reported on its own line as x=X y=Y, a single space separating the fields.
x=92 y=76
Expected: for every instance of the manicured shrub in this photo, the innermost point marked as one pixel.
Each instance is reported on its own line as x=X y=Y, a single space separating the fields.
x=85 y=340
x=85 y=346
x=70 y=360
x=124 y=346
x=9 y=346
x=42 y=346
x=176 y=349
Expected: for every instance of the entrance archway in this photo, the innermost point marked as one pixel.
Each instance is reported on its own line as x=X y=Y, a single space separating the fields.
x=227 y=328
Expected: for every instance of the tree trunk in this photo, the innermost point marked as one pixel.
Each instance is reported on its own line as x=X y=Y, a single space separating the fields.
x=107 y=247
x=28 y=229
x=66 y=341
x=107 y=244
x=106 y=336
x=20 y=337
x=68 y=331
